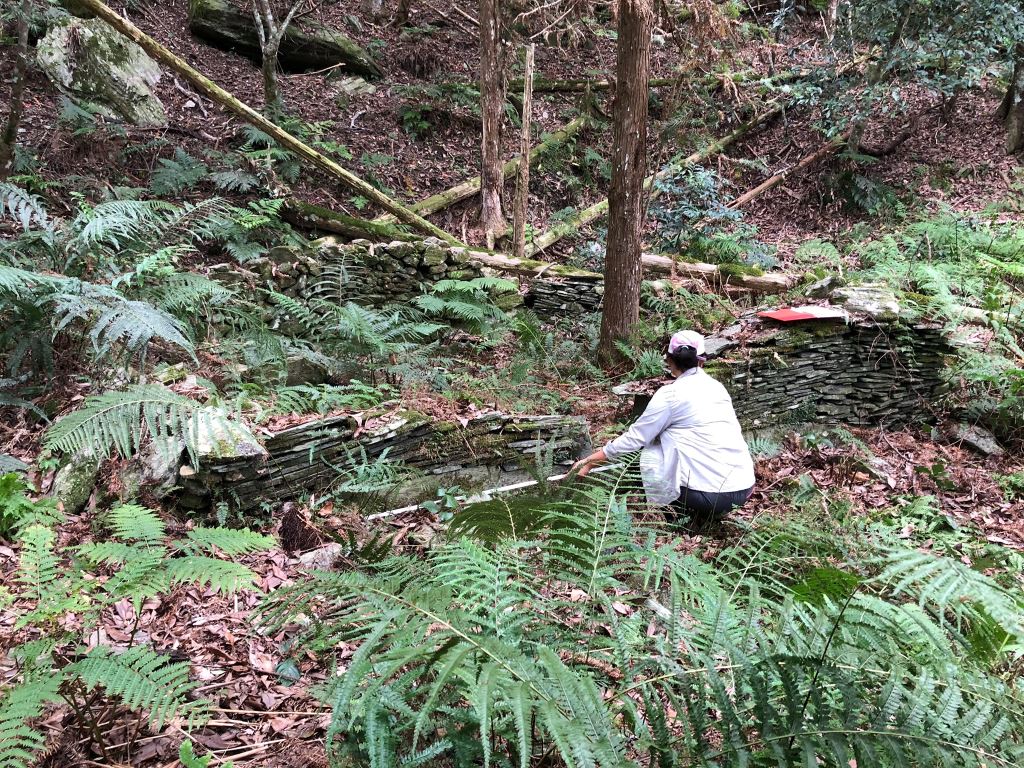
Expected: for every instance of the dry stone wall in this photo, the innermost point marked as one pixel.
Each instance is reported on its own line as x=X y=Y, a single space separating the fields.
x=396 y=272
x=826 y=372
x=488 y=451
x=358 y=271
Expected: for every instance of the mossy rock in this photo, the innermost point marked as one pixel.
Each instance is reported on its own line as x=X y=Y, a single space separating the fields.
x=306 y=45
x=90 y=61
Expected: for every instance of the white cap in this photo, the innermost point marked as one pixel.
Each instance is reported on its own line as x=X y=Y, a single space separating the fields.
x=686 y=339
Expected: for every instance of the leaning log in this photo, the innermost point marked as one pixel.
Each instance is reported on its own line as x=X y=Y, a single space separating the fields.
x=304 y=47
x=251 y=116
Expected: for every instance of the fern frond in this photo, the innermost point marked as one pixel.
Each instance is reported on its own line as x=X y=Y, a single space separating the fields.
x=143 y=680
x=177 y=174
x=234 y=180
x=135 y=324
x=118 y=223
x=949 y=585
x=38 y=564
x=208 y=572
x=23 y=207
x=21 y=704
x=121 y=420
x=230 y=541
x=130 y=522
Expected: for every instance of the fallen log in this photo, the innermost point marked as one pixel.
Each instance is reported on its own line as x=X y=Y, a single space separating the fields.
x=308 y=216
x=774 y=180
x=768 y=283
x=304 y=46
x=251 y=116
x=471 y=187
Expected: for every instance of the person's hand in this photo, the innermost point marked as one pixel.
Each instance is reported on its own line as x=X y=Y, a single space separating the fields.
x=581 y=467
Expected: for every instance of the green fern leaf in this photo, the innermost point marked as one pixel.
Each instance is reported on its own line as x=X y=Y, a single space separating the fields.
x=130 y=522
x=143 y=680
x=24 y=207
x=230 y=541
x=120 y=421
x=208 y=572
x=19 y=705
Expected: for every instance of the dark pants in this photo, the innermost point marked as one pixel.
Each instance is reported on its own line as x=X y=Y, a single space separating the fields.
x=704 y=507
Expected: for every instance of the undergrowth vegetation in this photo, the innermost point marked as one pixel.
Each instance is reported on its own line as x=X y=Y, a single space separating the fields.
x=565 y=630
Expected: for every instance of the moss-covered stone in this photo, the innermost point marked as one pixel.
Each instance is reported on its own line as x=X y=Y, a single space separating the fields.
x=90 y=61
x=306 y=45
x=74 y=482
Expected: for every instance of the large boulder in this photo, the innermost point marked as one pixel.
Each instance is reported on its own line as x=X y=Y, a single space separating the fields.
x=90 y=61
x=306 y=45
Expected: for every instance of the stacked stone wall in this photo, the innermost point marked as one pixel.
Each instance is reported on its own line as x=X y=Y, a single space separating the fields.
x=861 y=373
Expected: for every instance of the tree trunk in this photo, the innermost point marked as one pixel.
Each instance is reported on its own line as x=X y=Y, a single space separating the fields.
x=1012 y=108
x=402 y=12
x=271 y=87
x=492 y=100
x=627 y=201
x=523 y=179
x=9 y=140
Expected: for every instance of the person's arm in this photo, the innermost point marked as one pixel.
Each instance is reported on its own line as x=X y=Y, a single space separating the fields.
x=651 y=423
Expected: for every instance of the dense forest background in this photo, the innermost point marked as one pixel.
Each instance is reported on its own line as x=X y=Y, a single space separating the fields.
x=288 y=287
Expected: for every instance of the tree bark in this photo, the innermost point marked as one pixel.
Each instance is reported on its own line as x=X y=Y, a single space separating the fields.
x=492 y=100
x=1011 y=110
x=270 y=34
x=627 y=201
x=523 y=179
x=402 y=12
x=213 y=91
x=9 y=140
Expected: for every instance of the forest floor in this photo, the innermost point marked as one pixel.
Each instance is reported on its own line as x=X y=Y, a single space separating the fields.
x=261 y=719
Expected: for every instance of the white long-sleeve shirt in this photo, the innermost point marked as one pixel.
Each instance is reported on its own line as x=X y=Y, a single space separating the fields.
x=690 y=439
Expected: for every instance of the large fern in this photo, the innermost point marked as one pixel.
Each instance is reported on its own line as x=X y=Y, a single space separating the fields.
x=24 y=207
x=136 y=563
x=120 y=421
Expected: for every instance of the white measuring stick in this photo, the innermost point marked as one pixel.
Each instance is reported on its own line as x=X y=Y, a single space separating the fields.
x=486 y=495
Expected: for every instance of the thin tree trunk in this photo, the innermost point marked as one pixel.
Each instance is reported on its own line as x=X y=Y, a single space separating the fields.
x=627 y=201
x=270 y=34
x=271 y=86
x=402 y=12
x=523 y=179
x=9 y=140
x=210 y=89
x=1011 y=110
x=492 y=100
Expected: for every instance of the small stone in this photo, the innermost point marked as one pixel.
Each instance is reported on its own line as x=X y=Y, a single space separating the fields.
x=322 y=559
x=74 y=482
x=822 y=288
x=874 y=300
x=217 y=437
x=978 y=438
x=433 y=256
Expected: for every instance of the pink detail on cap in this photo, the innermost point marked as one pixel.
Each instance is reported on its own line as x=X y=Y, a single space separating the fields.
x=686 y=339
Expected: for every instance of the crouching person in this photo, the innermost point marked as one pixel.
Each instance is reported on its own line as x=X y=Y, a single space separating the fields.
x=693 y=455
